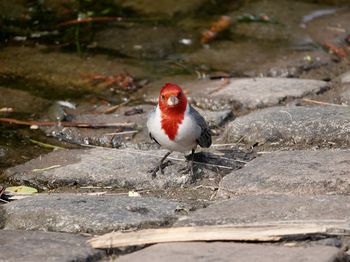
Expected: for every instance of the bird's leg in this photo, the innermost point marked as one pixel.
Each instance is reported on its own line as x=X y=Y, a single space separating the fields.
x=189 y=167
x=159 y=166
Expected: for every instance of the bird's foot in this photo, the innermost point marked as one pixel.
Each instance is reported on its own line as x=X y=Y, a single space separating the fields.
x=160 y=167
x=188 y=169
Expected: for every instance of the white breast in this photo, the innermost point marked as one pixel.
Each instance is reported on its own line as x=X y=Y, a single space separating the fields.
x=186 y=136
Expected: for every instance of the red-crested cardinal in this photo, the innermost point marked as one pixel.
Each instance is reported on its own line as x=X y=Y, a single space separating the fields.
x=175 y=125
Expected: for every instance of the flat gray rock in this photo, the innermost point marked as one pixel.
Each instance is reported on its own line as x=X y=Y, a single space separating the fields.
x=252 y=93
x=32 y=246
x=76 y=213
x=271 y=209
x=223 y=251
x=291 y=172
x=118 y=168
x=297 y=127
x=116 y=137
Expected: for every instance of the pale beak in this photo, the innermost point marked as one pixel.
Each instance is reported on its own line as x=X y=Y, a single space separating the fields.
x=172 y=101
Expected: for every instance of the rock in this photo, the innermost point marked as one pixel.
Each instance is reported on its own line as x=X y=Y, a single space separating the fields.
x=251 y=93
x=122 y=168
x=345 y=78
x=22 y=101
x=106 y=137
x=32 y=246
x=109 y=137
x=87 y=213
x=271 y=209
x=215 y=118
x=223 y=251
x=296 y=127
x=292 y=173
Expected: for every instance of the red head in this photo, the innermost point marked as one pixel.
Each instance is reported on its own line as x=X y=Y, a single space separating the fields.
x=172 y=99
x=172 y=103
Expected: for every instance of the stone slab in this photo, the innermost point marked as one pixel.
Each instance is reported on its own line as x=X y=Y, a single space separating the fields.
x=33 y=246
x=106 y=136
x=291 y=172
x=252 y=93
x=76 y=213
x=117 y=168
x=297 y=127
x=221 y=251
x=271 y=209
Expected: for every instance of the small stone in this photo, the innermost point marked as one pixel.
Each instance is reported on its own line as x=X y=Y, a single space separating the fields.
x=345 y=78
x=345 y=96
x=86 y=213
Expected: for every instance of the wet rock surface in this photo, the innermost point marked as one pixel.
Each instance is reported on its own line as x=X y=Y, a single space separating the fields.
x=76 y=213
x=220 y=251
x=123 y=168
x=295 y=127
x=271 y=209
x=293 y=173
x=17 y=245
x=22 y=101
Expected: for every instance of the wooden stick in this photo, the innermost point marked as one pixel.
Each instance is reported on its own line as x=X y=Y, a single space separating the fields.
x=64 y=123
x=91 y=19
x=321 y=103
x=114 y=108
x=253 y=232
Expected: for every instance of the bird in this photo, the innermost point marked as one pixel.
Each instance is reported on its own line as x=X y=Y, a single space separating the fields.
x=176 y=126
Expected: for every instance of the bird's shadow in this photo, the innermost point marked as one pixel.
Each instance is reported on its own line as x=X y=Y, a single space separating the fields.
x=223 y=162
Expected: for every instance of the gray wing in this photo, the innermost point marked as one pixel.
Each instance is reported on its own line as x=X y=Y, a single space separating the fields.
x=204 y=139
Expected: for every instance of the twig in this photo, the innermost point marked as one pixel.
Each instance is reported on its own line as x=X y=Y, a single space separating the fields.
x=226 y=82
x=113 y=108
x=122 y=133
x=45 y=168
x=44 y=144
x=64 y=123
x=90 y=19
x=223 y=145
x=321 y=103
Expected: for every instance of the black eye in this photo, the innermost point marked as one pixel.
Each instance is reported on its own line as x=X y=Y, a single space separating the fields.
x=163 y=97
x=179 y=94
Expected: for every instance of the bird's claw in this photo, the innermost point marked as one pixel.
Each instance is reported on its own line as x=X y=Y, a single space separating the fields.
x=157 y=168
x=188 y=169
